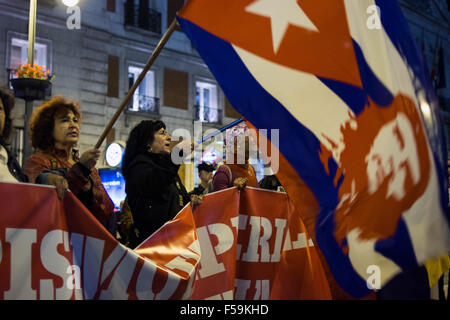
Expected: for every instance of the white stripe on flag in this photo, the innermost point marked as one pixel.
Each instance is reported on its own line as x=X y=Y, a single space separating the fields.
x=379 y=52
x=304 y=96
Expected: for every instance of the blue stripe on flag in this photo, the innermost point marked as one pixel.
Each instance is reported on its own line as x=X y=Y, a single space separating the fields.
x=354 y=97
x=398 y=248
x=371 y=84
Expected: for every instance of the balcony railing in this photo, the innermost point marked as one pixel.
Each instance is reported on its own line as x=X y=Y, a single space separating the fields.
x=147 y=19
x=207 y=114
x=143 y=105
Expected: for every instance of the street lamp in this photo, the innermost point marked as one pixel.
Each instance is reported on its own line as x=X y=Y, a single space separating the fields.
x=70 y=3
x=31 y=42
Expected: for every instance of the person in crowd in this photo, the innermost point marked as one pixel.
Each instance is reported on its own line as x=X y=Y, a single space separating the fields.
x=54 y=133
x=10 y=170
x=154 y=189
x=125 y=223
x=235 y=174
x=205 y=174
x=270 y=181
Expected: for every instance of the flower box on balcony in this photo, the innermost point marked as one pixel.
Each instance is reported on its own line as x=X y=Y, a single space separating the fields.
x=31 y=89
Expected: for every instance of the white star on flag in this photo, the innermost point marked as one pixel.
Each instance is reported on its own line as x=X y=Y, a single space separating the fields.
x=281 y=14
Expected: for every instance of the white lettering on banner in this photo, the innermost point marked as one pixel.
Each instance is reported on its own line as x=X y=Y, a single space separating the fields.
x=239 y=222
x=20 y=241
x=117 y=288
x=258 y=241
x=252 y=250
x=241 y=287
x=209 y=265
x=300 y=243
x=195 y=247
x=287 y=242
x=93 y=253
x=46 y=290
x=144 y=282
x=108 y=266
x=56 y=264
x=225 y=236
x=113 y=273
x=144 y=285
x=264 y=239
x=180 y=262
x=280 y=224
x=262 y=290
x=260 y=233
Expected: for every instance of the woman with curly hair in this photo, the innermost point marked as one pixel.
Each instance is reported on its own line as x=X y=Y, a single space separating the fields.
x=10 y=170
x=54 y=131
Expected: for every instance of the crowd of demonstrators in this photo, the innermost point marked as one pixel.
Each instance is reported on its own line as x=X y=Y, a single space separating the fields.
x=54 y=133
x=155 y=192
x=10 y=170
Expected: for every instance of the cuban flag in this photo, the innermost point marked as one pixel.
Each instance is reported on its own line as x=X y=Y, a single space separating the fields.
x=359 y=123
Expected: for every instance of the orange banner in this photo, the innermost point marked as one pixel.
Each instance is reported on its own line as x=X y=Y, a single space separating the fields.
x=235 y=245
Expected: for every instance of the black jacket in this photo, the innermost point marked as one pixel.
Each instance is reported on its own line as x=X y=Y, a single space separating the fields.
x=155 y=193
x=197 y=191
x=15 y=168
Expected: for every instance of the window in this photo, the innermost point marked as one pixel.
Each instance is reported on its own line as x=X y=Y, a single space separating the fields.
x=19 y=53
x=139 y=14
x=144 y=97
x=206 y=102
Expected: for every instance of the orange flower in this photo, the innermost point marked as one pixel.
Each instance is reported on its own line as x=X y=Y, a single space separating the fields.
x=36 y=71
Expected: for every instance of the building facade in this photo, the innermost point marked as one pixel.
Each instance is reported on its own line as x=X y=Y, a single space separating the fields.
x=97 y=49
x=429 y=21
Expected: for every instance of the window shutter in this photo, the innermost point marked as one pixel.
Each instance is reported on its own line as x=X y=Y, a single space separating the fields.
x=111 y=5
x=113 y=76
x=176 y=89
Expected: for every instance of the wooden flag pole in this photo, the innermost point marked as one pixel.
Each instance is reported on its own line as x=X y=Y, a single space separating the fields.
x=130 y=93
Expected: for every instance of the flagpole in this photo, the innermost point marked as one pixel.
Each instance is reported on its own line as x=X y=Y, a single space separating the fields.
x=209 y=136
x=232 y=124
x=130 y=93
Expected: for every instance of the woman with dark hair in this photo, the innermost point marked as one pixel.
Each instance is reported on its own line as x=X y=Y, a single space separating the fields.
x=10 y=170
x=154 y=190
x=55 y=130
